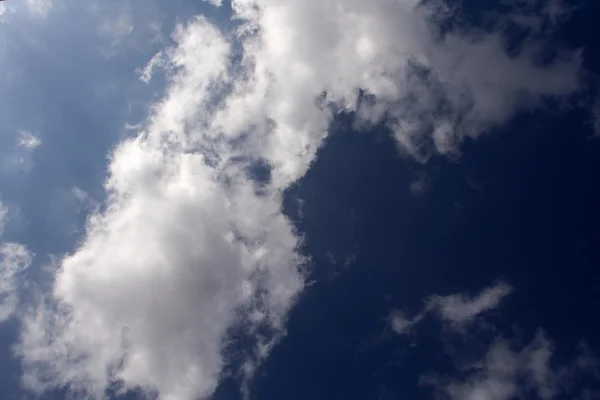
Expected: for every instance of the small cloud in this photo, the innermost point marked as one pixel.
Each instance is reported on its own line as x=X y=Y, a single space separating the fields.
x=28 y=140
x=401 y=323
x=420 y=186
x=20 y=157
x=459 y=310
x=157 y=61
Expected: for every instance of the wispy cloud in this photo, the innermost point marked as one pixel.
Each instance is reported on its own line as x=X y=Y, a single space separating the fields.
x=14 y=260
x=508 y=371
x=503 y=369
x=20 y=157
x=460 y=309
x=457 y=310
x=156 y=61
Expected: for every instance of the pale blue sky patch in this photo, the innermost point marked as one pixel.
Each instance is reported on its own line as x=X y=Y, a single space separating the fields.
x=71 y=80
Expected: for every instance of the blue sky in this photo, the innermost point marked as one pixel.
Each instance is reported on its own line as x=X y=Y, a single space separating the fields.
x=264 y=199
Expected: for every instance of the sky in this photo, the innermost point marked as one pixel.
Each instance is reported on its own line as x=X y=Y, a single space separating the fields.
x=266 y=199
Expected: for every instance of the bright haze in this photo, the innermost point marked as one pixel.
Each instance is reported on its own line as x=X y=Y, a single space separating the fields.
x=297 y=199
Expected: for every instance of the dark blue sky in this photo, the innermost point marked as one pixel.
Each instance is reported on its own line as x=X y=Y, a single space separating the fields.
x=521 y=205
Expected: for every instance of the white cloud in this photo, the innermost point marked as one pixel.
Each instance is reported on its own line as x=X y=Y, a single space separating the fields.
x=460 y=309
x=503 y=369
x=156 y=61
x=401 y=323
x=14 y=259
x=20 y=157
x=457 y=310
x=28 y=140
x=181 y=250
x=506 y=373
x=187 y=246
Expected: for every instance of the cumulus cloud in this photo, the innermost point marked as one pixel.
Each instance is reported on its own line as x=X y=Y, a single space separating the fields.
x=189 y=245
x=457 y=310
x=182 y=249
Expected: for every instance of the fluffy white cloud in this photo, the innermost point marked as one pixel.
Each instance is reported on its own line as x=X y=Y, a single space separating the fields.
x=433 y=91
x=189 y=246
x=182 y=249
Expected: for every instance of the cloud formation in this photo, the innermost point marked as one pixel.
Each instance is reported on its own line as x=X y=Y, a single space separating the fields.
x=458 y=311
x=182 y=249
x=503 y=368
x=190 y=245
x=510 y=371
